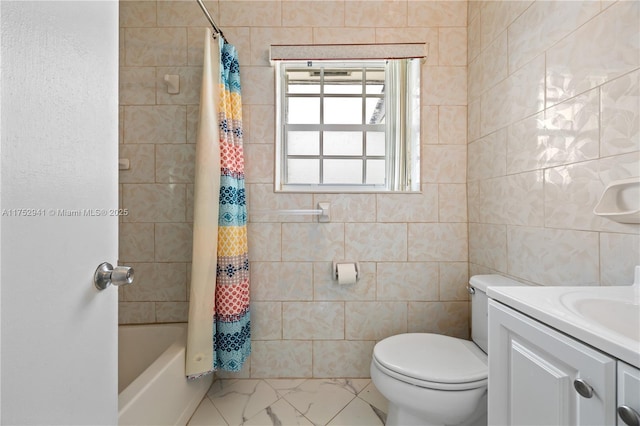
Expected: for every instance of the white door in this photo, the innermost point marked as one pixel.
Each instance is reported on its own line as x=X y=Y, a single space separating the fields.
x=59 y=132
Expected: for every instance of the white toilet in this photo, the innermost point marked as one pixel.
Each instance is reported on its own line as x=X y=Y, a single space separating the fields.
x=431 y=379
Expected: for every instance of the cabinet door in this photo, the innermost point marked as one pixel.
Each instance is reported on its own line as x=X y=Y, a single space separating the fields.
x=532 y=369
x=628 y=391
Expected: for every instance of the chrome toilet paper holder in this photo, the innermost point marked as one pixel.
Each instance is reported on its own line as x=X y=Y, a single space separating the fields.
x=334 y=268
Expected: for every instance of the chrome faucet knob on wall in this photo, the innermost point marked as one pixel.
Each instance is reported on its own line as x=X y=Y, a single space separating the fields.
x=106 y=275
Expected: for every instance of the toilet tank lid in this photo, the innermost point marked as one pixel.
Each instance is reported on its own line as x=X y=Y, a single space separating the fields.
x=481 y=282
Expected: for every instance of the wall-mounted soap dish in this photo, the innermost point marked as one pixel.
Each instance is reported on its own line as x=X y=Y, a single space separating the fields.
x=620 y=201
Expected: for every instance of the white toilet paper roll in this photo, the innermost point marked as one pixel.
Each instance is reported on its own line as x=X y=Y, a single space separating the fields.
x=346 y=273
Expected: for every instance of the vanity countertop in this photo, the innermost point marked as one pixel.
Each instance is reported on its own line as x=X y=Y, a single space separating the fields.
x=607 y=318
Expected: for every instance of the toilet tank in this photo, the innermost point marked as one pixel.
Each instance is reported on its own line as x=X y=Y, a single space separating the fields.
x=480 y=305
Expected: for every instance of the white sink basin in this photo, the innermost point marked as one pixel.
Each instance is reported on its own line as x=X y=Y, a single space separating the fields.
x=616 y=315
x=607 y=318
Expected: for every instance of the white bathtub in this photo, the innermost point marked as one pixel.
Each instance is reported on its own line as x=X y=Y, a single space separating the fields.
x=153 y=389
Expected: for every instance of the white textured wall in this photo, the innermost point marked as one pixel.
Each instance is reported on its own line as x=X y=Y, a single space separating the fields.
x=554 y=99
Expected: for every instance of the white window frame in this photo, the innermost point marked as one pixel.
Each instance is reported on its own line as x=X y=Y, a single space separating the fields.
x=402 y=151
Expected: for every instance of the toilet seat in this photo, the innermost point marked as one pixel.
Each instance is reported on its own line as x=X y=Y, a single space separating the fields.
x=432 y=361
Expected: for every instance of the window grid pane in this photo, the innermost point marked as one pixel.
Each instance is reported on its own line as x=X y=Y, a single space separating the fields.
x=347 y=107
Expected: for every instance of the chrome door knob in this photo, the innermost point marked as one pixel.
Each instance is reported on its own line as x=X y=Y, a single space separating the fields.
x=107 y=275
x=628 y=415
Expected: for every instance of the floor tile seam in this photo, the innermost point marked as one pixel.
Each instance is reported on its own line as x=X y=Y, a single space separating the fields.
x=341 y=410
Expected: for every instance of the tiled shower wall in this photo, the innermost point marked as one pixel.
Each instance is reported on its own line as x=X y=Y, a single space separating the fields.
x=553 y=118
x=412 y=248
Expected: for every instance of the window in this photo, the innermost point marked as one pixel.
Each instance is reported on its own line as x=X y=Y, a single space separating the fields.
x=348 y=126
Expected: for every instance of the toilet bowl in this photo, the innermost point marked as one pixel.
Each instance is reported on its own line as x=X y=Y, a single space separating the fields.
x=431 y=379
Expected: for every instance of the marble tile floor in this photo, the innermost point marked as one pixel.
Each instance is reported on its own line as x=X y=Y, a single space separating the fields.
x=284 y=402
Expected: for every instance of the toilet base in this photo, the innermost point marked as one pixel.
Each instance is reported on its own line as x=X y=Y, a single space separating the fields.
x=398 y=417
x=411 y=405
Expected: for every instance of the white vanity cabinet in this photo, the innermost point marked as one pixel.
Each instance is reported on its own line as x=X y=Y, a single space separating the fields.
x=539 y=376
x=628 y=394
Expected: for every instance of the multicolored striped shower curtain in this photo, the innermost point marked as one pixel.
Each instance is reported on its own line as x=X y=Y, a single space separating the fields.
x=219 y=325
x=232 y=339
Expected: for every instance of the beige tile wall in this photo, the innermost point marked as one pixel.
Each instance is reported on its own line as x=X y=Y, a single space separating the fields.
x=412 y=248
x=554 y=99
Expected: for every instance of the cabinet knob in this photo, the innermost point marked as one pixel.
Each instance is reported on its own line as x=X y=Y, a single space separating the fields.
x=629 y=416
x=583 y=388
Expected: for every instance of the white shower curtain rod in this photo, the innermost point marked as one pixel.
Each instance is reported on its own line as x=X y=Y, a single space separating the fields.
x=216 y=30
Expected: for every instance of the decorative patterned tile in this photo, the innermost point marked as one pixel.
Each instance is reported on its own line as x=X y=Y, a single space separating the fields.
x=585 y=59
x=258 y=163
x=137 y=86
x=266 y=320
x=452 y=202
x=154 y=202
x=326 y=288
x=452 y=46
x=262 y=200
x=142 y=163
x=543 y=24
x=313 y=320
x=281 y=281
x=190 y=83
x=136 y=242
x=437 y=14
x=137 y=14
x=175 y=163
x=337 y=35
x=313 y=241
x=489 y=156
x=448 y=318
x=444 y=164
x=375 y=13
x=572 y=130
x=454 y=278
x=620 y=115
x=432 y=242
x=148 y=47
x=414 y=207
x=343 y=358
x=444 y=85
x=349 y=207
x=184 y=14
x=172 y=312
x=374 y=320
x=173 y=242
x=375 y=242
x=488 y=245
x=281 y=359
x=136 y=312
x=619 y=254
x=265 y=243
x=407 y=281
x=155 y=124
x=452 y=125
x=250 y=13
x=159 y=282
x=553 y=257
x=527 y=142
